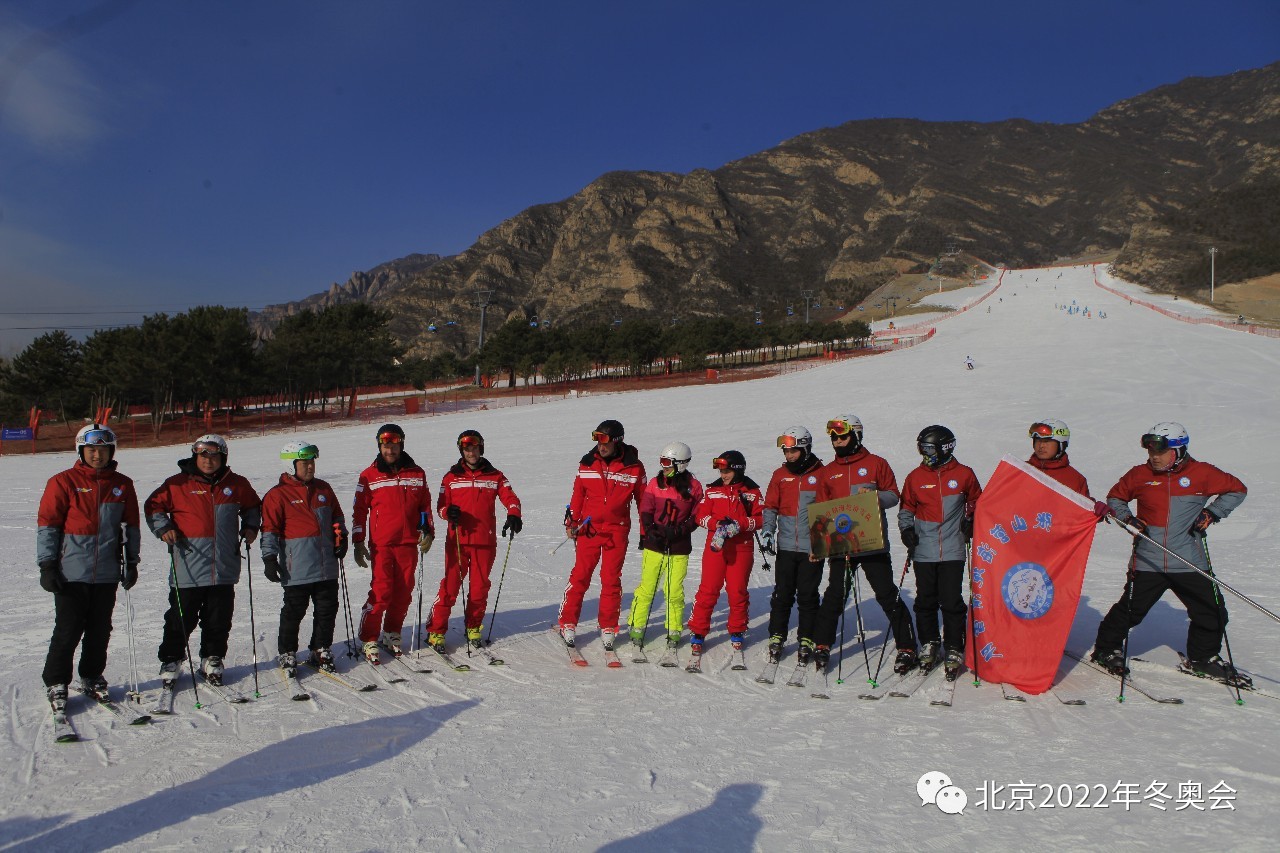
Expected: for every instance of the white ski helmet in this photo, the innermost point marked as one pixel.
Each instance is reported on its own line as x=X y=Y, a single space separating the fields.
x=843 y=425
x=796 y=436
x=210 y=441
x=295 y=450
x=1166 y=435
x=1054 y=429
x=95 y=435
x=678 y=454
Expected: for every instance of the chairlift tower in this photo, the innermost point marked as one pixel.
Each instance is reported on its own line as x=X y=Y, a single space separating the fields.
x=808 y=297
x=482 y=302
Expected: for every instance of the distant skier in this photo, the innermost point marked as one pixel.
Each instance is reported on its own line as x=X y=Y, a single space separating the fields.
x=1178 y=499
x=610 y=478
x=667 y=524
x=393 y=512
x=855 y=470
x=968 y=363
x=304 y=535
x=468 y=498
x=198 y=513
x=936 y=521
x=732 y=510
x=87 y=542
x=797 y=575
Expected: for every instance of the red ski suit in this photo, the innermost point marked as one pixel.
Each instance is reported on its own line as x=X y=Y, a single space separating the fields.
x=473 y=540
x=603 y=491
x=730 y=567
x=1060 y=470
x=395 y=504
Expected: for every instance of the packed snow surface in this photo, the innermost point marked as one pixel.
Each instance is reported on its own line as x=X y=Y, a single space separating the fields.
x=542 y=755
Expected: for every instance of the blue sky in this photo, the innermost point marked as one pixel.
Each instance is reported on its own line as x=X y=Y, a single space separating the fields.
x=157 y=154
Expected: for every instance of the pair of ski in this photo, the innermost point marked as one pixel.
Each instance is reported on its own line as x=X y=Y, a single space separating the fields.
x=299 y=693
x=799 y=676
x=1128 y=680
x=169 y=690
x=64 y=731
x=668 y=659
x=611 y=658
x=737 y=657
x=1184 y=667
x=907 y=684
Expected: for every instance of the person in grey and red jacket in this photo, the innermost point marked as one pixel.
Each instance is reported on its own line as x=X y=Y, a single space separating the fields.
x=936 y=522
x=304 y=534
x=86 y=543
x=1178 y=498
x=202 y=514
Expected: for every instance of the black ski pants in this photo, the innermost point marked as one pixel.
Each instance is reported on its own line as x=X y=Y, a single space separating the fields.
x=323 y=595
x=81 y=610
x=1195 y=591
x=209 y=606
x=796 y=582
x=879 y=572
x=939 y=586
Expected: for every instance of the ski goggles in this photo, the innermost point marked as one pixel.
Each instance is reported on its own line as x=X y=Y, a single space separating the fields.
x=470 y=441
x=306 y=453
x=98 y=437
x=390 y=438
x=601 y=435
x=668 y=462
x=1161 y=443
x=1046 y=431
x=722 y=464
x=789 y=442
x=208 y=451
x=840 y=427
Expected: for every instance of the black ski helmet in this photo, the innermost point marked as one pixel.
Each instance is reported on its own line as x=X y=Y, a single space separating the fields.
x=393 y=429
x=470 y=433
x=936 y=444
x=730 y=459
x=611 y=428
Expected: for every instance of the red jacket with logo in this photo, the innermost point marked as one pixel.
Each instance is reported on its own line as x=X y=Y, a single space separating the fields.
x=391 y=504
x=604 y=489
x=209 y=513
x=297 y=528
x=740 y=501
x=935 y=501
x=476 y=493
x=80 y=519
x=1061 y=471
x=847 y=475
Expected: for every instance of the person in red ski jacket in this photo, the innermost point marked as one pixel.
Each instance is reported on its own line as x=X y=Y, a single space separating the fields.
x=390 y=526
x=1178 y=499
x=610 y=479
x=731 y=509
x=304 y=535
x=467 y=500
x=936 y=522
x=855 y=470
x=202 y=514
x=87 y=542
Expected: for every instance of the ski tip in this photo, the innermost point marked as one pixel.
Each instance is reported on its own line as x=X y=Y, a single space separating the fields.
x=302 y=697
x=141 y=720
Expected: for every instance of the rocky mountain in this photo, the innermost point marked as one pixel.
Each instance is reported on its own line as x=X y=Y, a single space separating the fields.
x=841 y=210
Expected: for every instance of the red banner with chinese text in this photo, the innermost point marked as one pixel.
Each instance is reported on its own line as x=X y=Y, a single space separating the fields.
x=1031 y=540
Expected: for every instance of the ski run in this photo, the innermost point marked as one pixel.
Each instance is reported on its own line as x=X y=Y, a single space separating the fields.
x=539 y=753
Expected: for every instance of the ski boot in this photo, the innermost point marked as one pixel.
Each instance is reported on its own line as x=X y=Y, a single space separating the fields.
x=475 y=637
x=372 y=653
x=390 y=640
x=738 y=640
x=1112 y=662
x=821 y=657
x=637 y=637
x=569 y=633
x=169 y=673
x=805 y=654
x=435 y=642
x=1219 y=670
x=906 y=661
x=608 y=637
x=323 y=660
x=289 y=663
x=673 y=641
x=58 y=698
x=953 y=664
x=775 y=649
x=211 y=666
x=930 y=655
x=696 y=642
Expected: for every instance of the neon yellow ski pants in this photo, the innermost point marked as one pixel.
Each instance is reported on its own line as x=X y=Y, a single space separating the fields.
x=670 y=570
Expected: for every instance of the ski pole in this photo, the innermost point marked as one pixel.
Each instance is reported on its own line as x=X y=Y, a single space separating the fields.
x=417 y=627
x=134 y=693
x=1135 y=532
x=973 y=625
x=182 y=623
x=885 y=645
x=764 y=553
x=851 y=574
x=346 y=599
x=253 y=629
x=569 y=536
x=493 y=617
x=1219 y=606
x=1130 y=577
x=462 y=584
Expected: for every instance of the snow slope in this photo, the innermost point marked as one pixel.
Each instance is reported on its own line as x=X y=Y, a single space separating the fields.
x=540 y=755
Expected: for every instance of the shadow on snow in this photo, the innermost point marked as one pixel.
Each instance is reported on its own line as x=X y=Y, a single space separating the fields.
x=728 y=823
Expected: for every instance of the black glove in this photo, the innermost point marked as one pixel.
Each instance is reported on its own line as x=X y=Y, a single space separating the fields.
x=271 y=568
x=129 y=575
x=966 y=528
x=514 y=524
x=910 y=538
x=339 y=541
x=1203 y=520
x=726 y=521
x=1137 y=524
x=51 y=577
x=453 y=513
